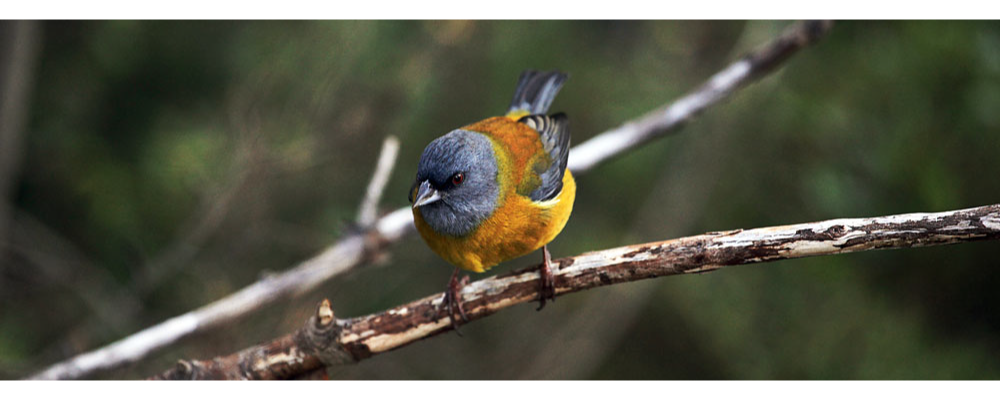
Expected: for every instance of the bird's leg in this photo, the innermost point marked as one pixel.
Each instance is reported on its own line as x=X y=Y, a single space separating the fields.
x=453 y=300
x=548 y=289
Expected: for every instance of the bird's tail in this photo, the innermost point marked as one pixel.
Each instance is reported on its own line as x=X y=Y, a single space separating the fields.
x=535 y=92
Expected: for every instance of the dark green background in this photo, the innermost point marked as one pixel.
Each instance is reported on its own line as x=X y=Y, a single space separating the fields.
x=168 y=164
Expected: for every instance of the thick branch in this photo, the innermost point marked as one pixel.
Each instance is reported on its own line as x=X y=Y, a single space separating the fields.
x=328 y=341
x=351 y=251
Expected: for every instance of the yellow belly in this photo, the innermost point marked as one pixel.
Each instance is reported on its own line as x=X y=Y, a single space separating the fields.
x=518 y=227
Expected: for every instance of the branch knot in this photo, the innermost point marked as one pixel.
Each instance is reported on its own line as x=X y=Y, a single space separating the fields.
x=320 y=337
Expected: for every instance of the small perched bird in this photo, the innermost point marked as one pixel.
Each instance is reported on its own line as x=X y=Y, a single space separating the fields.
x=499 y=188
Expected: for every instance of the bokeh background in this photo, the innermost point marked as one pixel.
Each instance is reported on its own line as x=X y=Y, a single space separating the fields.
x=164 y=165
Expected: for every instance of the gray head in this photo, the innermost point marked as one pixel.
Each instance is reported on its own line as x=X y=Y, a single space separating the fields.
x=456 y=187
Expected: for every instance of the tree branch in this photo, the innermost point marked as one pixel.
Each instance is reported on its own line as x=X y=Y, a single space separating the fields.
x=383 y=169
x=672 y=117
x=353 y=250
x=326 y=341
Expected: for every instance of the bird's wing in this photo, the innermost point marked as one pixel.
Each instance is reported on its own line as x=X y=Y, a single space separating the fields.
x=553 y=130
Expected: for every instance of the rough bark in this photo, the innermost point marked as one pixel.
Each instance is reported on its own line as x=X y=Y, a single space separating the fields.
x=325 y=340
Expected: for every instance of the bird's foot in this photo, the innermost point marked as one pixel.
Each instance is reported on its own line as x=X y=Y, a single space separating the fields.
x=453 y=300
x=548 y=289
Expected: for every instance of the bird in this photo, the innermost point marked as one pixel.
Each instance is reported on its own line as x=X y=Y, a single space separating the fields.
x=498 y=189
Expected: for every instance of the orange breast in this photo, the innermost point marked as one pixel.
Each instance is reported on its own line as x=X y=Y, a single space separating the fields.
x=519 y=225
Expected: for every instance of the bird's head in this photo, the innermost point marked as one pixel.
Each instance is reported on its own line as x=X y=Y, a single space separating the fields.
x=456 y=186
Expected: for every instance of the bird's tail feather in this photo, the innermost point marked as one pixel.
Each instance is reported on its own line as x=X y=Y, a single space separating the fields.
x=535 y=92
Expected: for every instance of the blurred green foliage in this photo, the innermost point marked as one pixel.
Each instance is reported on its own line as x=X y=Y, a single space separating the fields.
x=167 y=164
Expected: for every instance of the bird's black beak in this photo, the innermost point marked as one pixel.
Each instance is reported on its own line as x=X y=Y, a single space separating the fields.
x=426 y=195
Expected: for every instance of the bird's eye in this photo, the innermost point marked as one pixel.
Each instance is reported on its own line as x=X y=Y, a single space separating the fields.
x=458 y=178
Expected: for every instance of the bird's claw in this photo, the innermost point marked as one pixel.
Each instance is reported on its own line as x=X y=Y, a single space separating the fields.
x=453 y=300
x=548 y=289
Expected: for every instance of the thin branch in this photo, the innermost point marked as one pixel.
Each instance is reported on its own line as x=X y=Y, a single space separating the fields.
x=349 y=252
x=673 y=116
x=354 y=249
x=326 y=341
x=383 y=169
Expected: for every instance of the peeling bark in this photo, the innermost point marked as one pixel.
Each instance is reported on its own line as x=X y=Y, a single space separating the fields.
x=326 y=340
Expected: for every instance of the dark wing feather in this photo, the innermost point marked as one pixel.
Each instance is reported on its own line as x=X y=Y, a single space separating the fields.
x=553 y=130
